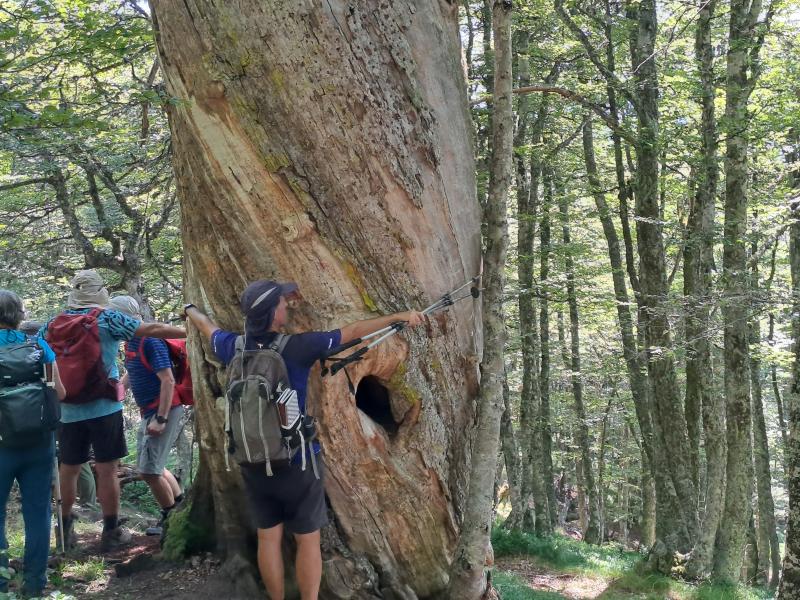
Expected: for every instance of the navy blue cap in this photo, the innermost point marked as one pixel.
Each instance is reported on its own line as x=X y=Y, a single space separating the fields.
x=259 y=301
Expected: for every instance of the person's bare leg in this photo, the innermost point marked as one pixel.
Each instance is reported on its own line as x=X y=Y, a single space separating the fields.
x=161 y=489
x=172 y=482
x=108 y=487
x=69 y=487
x=308 y=564
x=270 y=560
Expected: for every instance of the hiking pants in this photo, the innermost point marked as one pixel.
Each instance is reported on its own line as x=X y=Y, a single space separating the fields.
x=33 y=469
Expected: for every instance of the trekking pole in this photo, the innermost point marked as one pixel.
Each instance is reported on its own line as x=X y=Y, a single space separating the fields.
x=385 y=333
x=57 y=494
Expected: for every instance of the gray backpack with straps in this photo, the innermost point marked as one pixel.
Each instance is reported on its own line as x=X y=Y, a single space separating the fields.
x=263 y=421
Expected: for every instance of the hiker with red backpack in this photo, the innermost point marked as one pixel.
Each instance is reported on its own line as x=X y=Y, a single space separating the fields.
x=268 y=430
x=157 y=374
x=85 y=338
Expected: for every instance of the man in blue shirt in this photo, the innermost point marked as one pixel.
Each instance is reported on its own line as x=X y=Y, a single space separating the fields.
x=150 y=378
x=97 y=424
x=292 y=498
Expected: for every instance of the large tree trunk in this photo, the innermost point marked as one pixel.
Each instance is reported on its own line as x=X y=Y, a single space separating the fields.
x=675 y=491
x=790 y=580
x=735 y=282
x=331 y=145
x=469 y=579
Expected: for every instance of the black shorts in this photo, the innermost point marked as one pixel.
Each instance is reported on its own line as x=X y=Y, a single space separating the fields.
x=105 y=435
x=291 y=496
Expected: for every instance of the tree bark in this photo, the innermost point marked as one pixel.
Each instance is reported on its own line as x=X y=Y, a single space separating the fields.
x=331 y=145
x=790 y=581
x=533 y=482
x=468 y=576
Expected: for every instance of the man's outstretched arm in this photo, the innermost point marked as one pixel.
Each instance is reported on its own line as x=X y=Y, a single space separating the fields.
x=160 y=330
x=359 y=329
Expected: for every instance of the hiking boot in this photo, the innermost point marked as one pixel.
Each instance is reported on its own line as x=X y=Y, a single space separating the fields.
x=70 y=539
x=112 y=539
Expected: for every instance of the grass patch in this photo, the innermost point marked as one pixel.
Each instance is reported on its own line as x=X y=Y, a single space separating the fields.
x=90 y=570
x=566 y=554
x=709 y=591
x=647 y=586
x=624 y=571
x=512 y=587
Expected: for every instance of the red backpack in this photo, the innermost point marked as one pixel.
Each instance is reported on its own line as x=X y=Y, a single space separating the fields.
x=75 y=338
x=180 y=369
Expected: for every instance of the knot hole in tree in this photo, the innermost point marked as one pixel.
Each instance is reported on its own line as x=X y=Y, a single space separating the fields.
x=373 y=399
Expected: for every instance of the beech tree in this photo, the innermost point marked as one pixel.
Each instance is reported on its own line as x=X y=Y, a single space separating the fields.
x=330 y=144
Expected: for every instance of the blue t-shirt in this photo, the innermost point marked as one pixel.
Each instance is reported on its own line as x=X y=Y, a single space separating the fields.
x=300 y=354
x=9 y=337
x=114 y=327
x=145 y=384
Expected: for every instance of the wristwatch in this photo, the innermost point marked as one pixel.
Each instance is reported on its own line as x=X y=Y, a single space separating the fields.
x=161 y=420
x=185 y=308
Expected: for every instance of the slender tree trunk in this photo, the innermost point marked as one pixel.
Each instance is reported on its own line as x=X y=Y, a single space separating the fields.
x=776 y=392
x=526 y=301
x=698 y=264
x=543 y=427
x=768 y=548
x=636 y=376
x=468 y=577
x=510 y=450
x=593 y=532
x=529 y=332
x=310 y=144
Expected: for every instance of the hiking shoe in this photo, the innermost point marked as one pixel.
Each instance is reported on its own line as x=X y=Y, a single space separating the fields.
x=114 y=538
x=70 y=539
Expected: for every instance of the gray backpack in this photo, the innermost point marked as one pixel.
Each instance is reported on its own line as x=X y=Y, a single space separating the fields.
x=263 y=421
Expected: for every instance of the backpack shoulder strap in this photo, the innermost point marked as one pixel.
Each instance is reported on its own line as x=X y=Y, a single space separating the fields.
x=280 y=342
x=238 y=346
x=143 y=356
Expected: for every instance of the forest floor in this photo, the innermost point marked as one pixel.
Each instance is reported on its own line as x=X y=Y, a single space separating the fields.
x=558 y=568
x=527 y=568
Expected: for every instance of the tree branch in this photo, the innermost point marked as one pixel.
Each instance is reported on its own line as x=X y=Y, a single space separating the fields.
x=583 y=101
x=610 y=76
x=18 y=184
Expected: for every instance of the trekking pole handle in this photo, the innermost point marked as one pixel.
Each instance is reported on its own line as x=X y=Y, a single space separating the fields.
x=341 y=364
x=397 y=325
